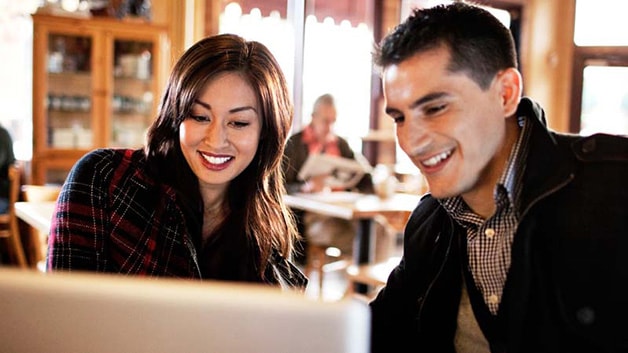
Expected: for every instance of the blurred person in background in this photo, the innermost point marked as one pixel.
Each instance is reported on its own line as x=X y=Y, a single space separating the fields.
x=7 y=159
x=318 y=137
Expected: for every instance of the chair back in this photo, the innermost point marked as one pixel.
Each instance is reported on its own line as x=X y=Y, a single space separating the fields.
x=39 y=240
x=41 y=192
x=9 y=227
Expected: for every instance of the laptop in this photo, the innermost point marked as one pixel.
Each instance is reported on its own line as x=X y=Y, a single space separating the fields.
x=102 y=313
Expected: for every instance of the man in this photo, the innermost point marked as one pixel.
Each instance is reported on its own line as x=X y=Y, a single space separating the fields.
x=522 y=243
x=319 y=137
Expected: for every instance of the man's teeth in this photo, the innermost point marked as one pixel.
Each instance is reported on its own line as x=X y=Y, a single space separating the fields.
x=436 y=159
x=216 y=160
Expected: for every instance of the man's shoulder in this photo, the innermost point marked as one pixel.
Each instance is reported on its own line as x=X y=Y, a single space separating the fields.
x=601 y=147
x=427 y=207
x=295 y=139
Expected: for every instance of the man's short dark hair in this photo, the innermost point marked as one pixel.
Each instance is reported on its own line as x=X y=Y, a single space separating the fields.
x=480 y=45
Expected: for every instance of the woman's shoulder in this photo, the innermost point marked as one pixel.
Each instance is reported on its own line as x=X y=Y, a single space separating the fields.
x=104 y=158
x=107 y=161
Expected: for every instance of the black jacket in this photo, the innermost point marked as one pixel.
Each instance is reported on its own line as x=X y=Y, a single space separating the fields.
x=567 y=287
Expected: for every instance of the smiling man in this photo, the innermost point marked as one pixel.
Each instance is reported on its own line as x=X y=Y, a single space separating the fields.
x=521 y=244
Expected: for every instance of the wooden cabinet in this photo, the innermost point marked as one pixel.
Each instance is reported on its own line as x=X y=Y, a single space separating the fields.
x=96 y=83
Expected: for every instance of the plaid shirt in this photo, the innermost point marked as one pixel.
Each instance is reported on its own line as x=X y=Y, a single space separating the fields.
x=489 y=241
x=112 y=217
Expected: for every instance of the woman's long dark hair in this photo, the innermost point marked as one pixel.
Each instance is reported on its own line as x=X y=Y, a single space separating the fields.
x=256 y=194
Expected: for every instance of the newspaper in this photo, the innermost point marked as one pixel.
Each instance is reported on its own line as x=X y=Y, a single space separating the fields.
x=342 y=173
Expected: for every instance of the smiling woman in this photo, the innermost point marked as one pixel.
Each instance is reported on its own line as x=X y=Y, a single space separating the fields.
x=212 y=159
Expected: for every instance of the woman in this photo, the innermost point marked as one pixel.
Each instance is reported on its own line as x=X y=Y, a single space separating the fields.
x=203 y=199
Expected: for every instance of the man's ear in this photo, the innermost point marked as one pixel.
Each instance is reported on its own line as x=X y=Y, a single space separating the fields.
x=510 y=88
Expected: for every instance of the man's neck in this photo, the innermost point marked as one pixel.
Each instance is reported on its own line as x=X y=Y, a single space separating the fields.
x=481 y=199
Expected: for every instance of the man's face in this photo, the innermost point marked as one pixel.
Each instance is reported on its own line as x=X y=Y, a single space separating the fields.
x=451 y=129
x=323 y=119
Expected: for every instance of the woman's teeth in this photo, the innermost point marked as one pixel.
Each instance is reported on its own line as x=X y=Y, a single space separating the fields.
x=216 y=160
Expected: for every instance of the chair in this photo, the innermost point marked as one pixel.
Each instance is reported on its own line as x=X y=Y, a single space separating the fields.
x=39 y=240
x=323 y=234
x=9 y=228
x=330 y=245
x=374 y=275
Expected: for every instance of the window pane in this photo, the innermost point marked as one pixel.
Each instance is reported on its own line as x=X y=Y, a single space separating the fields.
x=337 y=54
x=605 y=100
x=16 y=75
x=266 y=24
x=338 y=60
x=601 y=23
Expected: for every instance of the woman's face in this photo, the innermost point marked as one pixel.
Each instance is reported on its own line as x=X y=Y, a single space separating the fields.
x=220 y=136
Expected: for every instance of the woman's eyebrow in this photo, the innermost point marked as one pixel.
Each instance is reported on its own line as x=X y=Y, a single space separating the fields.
x=203 y=104
x=233 y=110
x=239 y=109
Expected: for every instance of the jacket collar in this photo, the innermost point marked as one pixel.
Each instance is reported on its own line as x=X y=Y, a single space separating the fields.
x=547 y=168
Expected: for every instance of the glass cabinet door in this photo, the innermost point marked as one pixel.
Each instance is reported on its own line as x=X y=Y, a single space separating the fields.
x=69 y=97
x=94 y=86
x=132 y=101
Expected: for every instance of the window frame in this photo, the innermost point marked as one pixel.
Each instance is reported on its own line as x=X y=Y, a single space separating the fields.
x=609 y=56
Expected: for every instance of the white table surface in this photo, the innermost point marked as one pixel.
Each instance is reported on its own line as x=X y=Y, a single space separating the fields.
x=37 y=214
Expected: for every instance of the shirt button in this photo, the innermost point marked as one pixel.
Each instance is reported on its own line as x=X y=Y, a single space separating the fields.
x=493 y=299
x=490 y=233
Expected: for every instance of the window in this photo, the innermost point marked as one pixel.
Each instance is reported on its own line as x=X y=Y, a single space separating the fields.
x=16 y=48
x=323 y=47
x=600 y=70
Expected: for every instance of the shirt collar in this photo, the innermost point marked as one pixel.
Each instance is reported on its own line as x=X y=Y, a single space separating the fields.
x=509 y=185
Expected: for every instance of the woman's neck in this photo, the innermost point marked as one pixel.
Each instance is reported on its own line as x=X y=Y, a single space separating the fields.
x=215 y=211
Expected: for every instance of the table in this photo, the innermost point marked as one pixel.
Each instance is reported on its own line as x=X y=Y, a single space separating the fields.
x=355 y=206
x=37 y=214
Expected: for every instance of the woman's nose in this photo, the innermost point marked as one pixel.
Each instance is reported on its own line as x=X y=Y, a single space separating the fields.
x=216 y=134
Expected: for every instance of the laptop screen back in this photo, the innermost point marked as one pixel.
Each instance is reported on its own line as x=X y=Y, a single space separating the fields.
x=96 y=313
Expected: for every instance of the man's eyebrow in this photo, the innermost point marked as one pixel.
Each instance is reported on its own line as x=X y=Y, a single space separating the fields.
x=425 y=99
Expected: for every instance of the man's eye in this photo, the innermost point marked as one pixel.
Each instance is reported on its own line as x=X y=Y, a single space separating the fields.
x=434 y=109
x=398 y=119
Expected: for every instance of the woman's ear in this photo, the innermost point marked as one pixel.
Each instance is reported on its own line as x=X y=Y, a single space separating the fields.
x=510 y=90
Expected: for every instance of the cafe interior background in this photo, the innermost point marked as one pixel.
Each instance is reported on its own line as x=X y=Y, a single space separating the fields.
x=573 y=55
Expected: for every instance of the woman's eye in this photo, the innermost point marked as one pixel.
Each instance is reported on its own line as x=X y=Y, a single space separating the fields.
x=240 y=124
x=199 y=118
